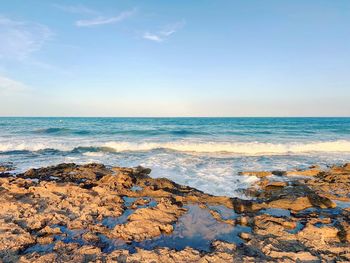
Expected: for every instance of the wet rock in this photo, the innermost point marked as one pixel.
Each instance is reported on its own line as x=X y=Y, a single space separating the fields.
x=301 y=203
x=258 y=174
x=244 y=220
x=13 y=239
x=334 y=183
x=6 y=167
x=263 y=174
x=146 y=223
x=344 y=233
x=268 y=225
x=293 y=256
x=245 y=236
x=91 y=237
x=68 y=172
x=49 y=231
x=91 y=213
x=321 y=234
x=312 y=171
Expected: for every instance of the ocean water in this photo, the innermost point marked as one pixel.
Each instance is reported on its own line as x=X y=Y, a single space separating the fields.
x=206 y=153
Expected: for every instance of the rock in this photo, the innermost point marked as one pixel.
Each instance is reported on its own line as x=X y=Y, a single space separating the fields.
x=6 y=167
x=149 y=222
x=244 y=220
x=245 y=236
x=312 y=171
x=256 y=173
x=69 y=172
x=45 y=240
x=13 y=239
x=226 y=247
x=265 y=225
x=324 y=233
x=294 y=256
x=344 y=233
x=49 y=231
x=302 y=203
x=262 y=174
x=91 y=213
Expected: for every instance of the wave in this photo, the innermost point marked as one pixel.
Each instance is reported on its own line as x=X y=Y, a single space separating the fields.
x=244 y=148
x=148 y=132
x=61 y=131
x=236 y=147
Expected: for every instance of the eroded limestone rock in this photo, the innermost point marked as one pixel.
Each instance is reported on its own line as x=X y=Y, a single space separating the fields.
x=92 y=213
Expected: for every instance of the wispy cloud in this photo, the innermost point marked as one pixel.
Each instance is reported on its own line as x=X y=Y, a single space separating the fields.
x=21 y=38
x=152 y=37
x=104 y=20
x=164 y=33
x=9 y=86
x=76 y=9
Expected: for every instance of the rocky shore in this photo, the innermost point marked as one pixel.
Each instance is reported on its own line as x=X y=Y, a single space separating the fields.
x=94 y=213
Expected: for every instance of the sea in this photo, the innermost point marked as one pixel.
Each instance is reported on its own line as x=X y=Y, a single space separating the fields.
x=205 y=153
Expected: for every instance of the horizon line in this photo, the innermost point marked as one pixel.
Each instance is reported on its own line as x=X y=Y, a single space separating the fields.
x=174 y=117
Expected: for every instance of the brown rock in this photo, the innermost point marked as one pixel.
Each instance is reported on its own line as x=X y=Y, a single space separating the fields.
x=312 y=171
x=245 y=236
x=258 y=174
x=83 y=198
x=149 y=222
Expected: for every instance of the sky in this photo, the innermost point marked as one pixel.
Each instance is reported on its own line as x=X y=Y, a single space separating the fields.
x=175 y=58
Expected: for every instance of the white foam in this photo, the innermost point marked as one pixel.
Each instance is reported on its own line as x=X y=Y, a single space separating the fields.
x=33 y=146
x=244 y=148
x=250 y=148
x=94 y=154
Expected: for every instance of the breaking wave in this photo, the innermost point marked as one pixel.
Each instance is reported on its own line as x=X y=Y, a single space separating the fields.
x=244 y=148
x=236 y=147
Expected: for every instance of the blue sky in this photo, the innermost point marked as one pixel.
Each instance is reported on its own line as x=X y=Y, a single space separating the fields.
x=175 y=58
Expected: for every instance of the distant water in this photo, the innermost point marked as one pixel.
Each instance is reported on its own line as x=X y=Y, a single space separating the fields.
x=206 y=153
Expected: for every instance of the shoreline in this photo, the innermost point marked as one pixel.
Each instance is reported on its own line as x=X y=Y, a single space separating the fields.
x=92 y=213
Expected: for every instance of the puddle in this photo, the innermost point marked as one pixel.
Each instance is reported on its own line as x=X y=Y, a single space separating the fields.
x=150 y=203
x=342 y=204
x=67 y=236
x=320 y=212
x=34 y=180
x=128 y=200
x=297 y=229
x=224 y=212
x=111 y=222
x=136 y=188
x=197 y=229
x=110 y=245
x=71 y=236
x=276 y=212
x=39 y=248
x=332 y=223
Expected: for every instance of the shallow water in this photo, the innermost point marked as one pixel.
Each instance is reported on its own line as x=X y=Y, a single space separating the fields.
x=197 y=228
x=205 y=153
x=276 y=212
x=111 y=222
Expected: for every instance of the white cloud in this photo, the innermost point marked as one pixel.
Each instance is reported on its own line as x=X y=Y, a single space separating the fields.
x=152 y=37
x=20 y=38
x=76 y=9
x=164 y=33
x=8 y=85
x=104 y=20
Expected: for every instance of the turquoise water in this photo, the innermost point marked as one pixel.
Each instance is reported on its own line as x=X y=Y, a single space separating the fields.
x=206 y=153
